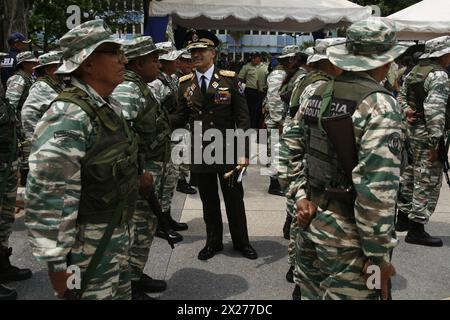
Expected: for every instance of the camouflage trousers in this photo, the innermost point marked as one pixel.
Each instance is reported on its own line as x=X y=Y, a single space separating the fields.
x=421 y=183
x=145 y=224
x=331 y=273
x=111 y=280
x=8 y=201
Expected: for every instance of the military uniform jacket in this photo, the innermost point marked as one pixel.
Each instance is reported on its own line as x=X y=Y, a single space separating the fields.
x=223 y=107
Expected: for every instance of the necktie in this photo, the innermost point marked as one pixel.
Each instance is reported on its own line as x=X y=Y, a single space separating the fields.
x=204 y=87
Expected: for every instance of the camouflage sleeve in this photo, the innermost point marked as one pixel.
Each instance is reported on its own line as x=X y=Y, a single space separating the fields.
x=159 y=90
x=37 y=103
x=128 y=94
x=437 y=86
x=15 y=87
x=305 y=96
x=378 y=135
x=274 y=104
x=54 y=181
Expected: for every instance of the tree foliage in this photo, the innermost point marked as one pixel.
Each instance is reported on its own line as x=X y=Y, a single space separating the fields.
x=49 y=18
x=388 y=7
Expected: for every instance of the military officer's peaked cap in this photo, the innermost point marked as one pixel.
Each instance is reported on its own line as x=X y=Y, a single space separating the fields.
x=201 y=39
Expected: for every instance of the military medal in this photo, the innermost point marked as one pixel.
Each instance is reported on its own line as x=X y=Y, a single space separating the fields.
x=223 y=96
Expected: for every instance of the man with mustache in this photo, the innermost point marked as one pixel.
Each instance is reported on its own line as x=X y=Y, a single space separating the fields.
x=83 y=180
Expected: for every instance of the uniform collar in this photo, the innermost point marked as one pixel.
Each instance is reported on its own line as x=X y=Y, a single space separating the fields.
x=208 y=74
x=96 y=98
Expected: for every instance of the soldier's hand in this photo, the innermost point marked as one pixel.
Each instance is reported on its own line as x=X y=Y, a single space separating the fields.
x=59 y=282
x=387 y=271
x=306 y=210
x=411 y=115
x=433 y=156
x=145 y=183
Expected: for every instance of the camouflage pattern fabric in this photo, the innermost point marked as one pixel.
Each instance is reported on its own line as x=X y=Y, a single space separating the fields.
x=273 y=103
x=39 y=99
x=421 y=181
x=8 y=202
x=62 y=137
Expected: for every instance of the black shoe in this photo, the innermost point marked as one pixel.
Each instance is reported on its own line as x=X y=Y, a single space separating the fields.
x=184 y=187
x=9 y=273
x=7 y=293
x=248 y=252
x=402 y=223
x=170 y=235
x=287 y=227
x=150 y=285
x=176 y=226
x=275 y=188
x=417 y=235
x=297 y=294
x=209 y=252
x=137 y=294
x=290 y=275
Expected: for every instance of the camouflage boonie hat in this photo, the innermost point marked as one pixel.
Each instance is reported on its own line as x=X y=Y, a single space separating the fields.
x=436 y=47
x=309 y=51
x=53 y=57
x=26 y=56
x=320 y=49
x=171 y=56
x=166 y=46
x=79 y=43
x=140 y=47
x=370 y=44
x=289 y=51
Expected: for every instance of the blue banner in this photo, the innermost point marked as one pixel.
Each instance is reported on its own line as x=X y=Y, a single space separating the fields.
x=156 y=28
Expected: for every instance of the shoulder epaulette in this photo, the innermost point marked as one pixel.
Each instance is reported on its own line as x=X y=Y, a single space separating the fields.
x=187 y=77
x=227 y=73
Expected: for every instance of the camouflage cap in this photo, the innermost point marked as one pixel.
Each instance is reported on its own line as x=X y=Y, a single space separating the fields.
x=370 y=44
x=26 y=56
x=140 y=47
x=79 y=43
x=166 y=46
x=53 y=57
x=171 y=56
x=289 y=51
x=320 y=49
x=436 y=47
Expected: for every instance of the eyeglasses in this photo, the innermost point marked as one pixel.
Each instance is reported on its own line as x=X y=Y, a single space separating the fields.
x=119 y=53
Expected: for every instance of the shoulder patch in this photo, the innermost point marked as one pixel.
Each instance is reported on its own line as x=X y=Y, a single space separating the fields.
x=227 y=73
x=394 y=143
x=186 y=77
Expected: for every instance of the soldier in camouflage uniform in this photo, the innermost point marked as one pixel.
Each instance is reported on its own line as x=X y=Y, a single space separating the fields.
x=347 y=215
x=18 y=88
x=289 y=162
x=83 y=181
x=425 y=99
x=274 y=107
x=165 y=90
x=183 y=186
x=47 y=87
x=8 y=191
x=143 y=111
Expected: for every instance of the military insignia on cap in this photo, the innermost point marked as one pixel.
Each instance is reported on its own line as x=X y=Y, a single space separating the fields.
x=195 y=37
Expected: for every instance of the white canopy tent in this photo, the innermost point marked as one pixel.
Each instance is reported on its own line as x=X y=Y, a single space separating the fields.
x=424 y=20
x=265 y=15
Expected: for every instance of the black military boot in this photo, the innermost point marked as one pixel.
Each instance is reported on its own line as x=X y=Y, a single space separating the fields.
x=9 y=273
x=275 y=188
x=287 y=227
x=176 y=226
x=184 y=187
x=402 y=223
x=290 y=275
x=150 y=285
x=417 y=235
x=7 y=293
x=137 y=293
x=297 y=295
x=169 y=235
